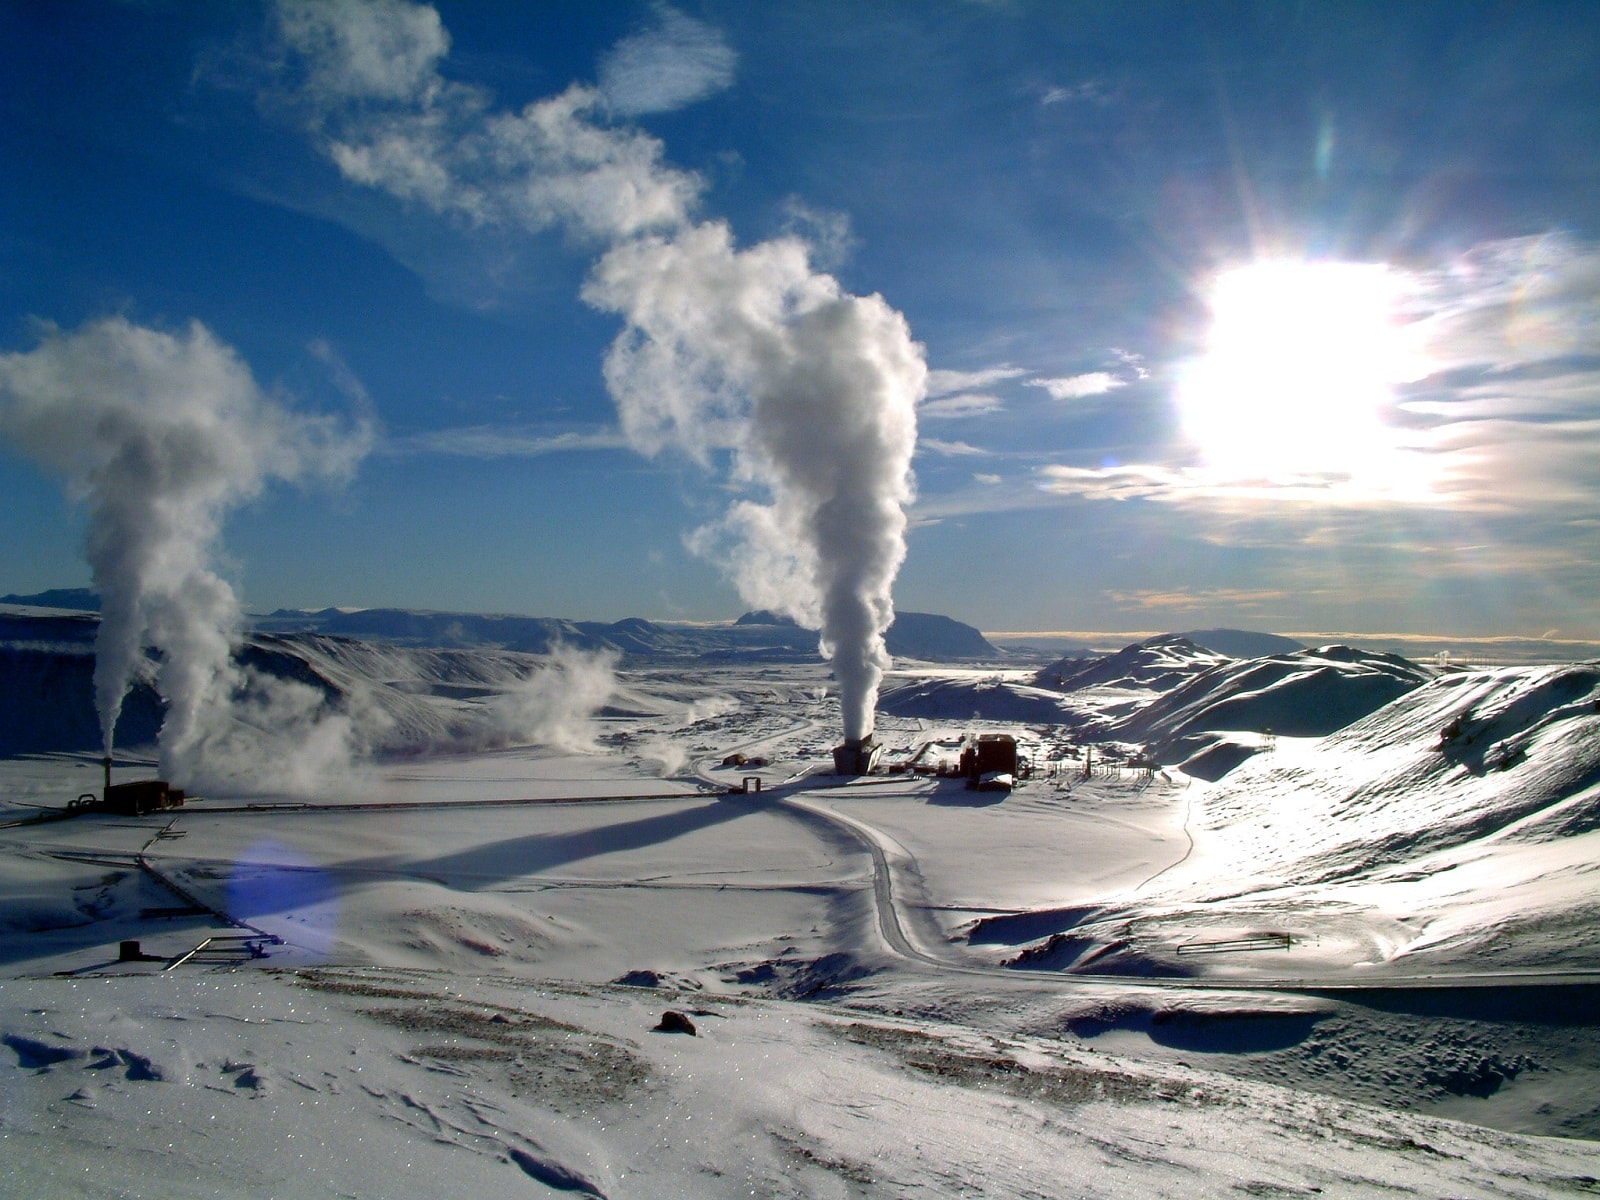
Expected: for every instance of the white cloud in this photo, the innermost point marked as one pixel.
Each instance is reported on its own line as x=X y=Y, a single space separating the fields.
x=827 y=231
x=945 y=383
x=372 y=95
x=988 y=480
x=365 y=49
x=949 y=449
x=680 y=61
x=1079 y=387
x=966 y=404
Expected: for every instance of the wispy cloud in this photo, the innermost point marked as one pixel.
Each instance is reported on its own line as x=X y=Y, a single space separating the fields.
x=1087 y=91
x=678 y=62
x=505 y=441
x=1178 y=600
x=1200 y=486
x=949 y=449
x=827 y=231
x=945 y=383
x=964 y=404
x=1508 y=303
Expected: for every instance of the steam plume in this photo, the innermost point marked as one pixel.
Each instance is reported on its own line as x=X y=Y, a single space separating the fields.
x=751 y=350
x=815 y=392
x=160 y=436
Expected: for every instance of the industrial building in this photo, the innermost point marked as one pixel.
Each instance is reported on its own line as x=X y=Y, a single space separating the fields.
x=857 y=756
x=989 y=755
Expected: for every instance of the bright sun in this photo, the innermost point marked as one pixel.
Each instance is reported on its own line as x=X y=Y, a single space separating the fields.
x=1299 y=368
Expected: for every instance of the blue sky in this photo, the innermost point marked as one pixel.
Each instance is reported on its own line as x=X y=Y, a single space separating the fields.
x=1388 y=421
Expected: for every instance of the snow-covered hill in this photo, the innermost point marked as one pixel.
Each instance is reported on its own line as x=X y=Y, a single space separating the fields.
x=1507 y=755
x=1157 y=664
x=477 y=949
x=1184 y=704
x=1457 y=825
x=1305 y=694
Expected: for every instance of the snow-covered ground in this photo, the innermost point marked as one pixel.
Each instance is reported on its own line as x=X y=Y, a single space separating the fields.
x=898 y=987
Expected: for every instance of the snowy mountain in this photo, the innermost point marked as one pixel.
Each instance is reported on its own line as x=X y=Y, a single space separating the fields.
x=1157 y=664
x=47 y=687
x=1305 y=694
x=400 y=698
x=79 y=599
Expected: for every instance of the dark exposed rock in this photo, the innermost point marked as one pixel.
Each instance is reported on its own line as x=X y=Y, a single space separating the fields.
x=673 y=1021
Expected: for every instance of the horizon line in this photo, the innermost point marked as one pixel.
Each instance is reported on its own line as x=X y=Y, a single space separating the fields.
x=1321 y=637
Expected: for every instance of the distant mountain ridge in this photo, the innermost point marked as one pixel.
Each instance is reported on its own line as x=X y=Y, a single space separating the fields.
x=78 y=599
x=1243 y=643
x=754 y=636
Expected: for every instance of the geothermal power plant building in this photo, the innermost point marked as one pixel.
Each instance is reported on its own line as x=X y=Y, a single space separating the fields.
x=857 y=756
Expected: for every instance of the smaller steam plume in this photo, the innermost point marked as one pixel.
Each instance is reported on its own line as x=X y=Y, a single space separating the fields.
x=159 y=436
x=555 y=706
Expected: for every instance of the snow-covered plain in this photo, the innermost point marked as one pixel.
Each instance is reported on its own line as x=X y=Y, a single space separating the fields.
x=899 y=987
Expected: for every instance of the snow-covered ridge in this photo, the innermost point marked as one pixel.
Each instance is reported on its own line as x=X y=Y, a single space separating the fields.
x=1157 y=664
x=1511 y=753
x=1175 y=698
x=1454 y=828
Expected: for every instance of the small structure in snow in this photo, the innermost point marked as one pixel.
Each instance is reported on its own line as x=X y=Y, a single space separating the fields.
x=989 y=754
x=144 y=796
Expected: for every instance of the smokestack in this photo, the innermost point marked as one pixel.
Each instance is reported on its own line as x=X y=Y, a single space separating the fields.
x=107 y=762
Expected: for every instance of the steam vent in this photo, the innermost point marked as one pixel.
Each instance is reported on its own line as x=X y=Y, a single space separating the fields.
x=857 y=756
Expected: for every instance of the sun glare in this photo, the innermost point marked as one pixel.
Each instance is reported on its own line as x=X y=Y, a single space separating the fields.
x=1300 y=366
